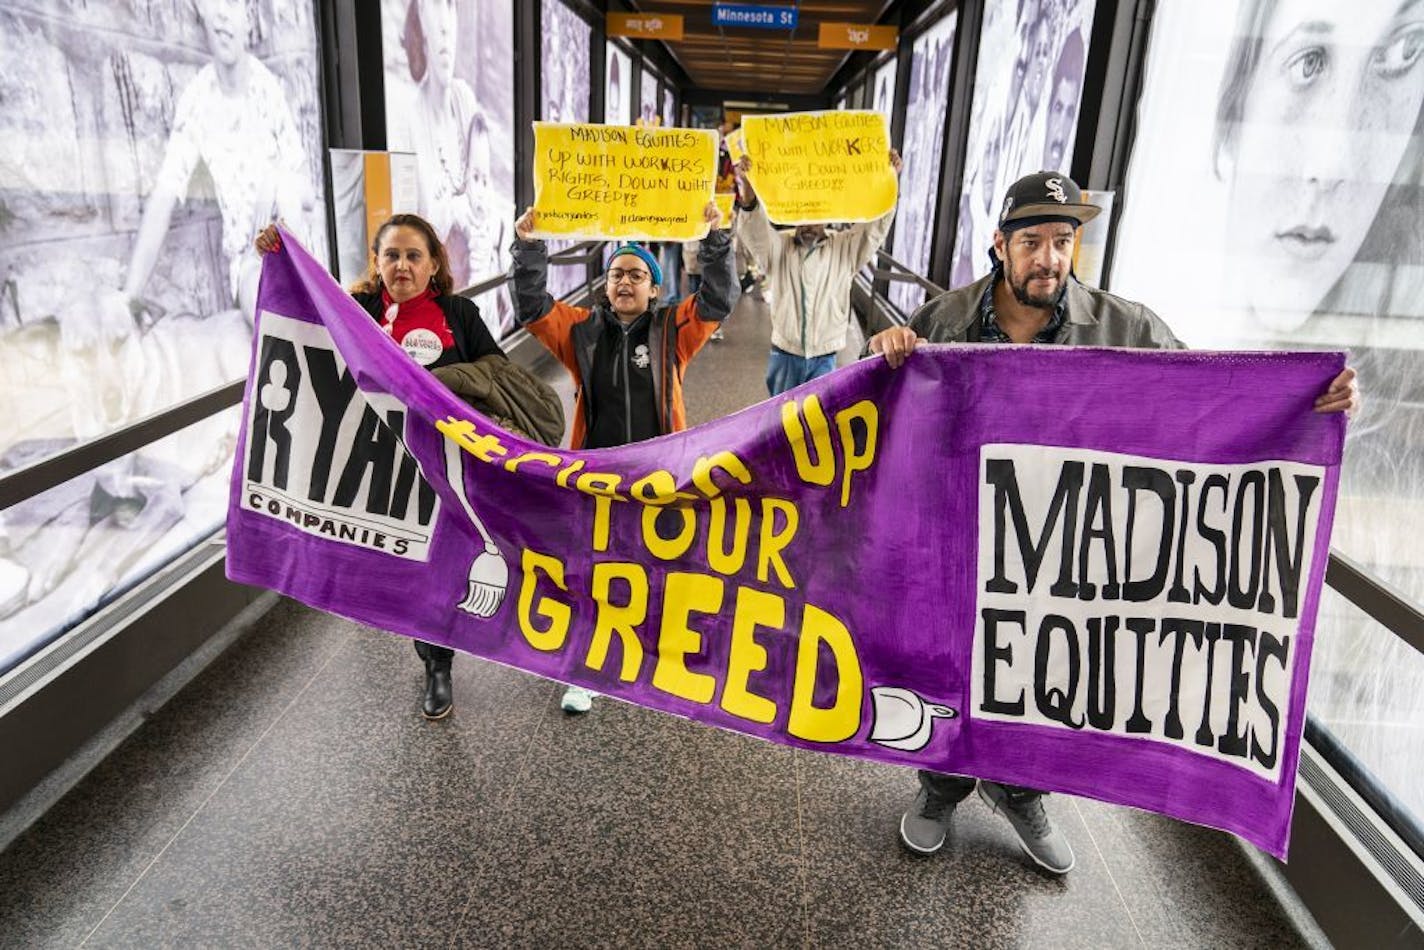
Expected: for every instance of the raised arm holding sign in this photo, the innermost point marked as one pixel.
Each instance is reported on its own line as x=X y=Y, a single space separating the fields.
x=621 y=182
x=810 y=270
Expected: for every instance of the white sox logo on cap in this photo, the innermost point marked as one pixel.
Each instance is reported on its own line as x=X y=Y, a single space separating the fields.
x=1055 y=190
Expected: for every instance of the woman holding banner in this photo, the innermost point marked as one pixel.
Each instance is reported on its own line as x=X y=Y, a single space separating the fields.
x=408 y=291
x=626 y=354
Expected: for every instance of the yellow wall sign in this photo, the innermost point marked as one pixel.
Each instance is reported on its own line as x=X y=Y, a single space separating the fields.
x=811 y=167
x=646 y=26
x=616 y=181
x=857 y=36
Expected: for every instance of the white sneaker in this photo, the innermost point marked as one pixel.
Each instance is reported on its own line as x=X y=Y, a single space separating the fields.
x=577 y=700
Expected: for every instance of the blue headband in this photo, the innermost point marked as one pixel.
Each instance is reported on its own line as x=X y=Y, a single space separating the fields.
x=642 y=255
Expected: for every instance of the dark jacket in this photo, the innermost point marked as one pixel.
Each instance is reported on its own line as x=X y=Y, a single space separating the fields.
x=472 y=337
x=1095 y=318
x=586 y=339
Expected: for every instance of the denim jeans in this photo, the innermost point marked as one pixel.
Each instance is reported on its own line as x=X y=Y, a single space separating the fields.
x=786 y=371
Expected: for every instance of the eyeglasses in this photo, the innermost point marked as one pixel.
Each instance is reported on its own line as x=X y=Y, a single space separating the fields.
x=635 y=277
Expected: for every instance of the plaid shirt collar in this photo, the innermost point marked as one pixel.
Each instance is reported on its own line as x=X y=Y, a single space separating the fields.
x=991 y=332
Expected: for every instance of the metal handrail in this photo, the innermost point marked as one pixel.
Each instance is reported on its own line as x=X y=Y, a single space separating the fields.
x=39 y=477
x=891 y=269
x=1385 y=605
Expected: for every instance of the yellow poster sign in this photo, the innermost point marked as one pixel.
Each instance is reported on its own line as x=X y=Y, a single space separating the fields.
x=622 y=182
x=724 y=205
x=736 y=144
x=812 y=167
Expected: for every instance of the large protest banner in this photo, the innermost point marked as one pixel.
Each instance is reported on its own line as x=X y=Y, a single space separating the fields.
x=815 y=167
x=615 y=181
x=1087 y=571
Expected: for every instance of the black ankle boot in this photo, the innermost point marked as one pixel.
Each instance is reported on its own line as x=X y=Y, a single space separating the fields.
x=439 y=695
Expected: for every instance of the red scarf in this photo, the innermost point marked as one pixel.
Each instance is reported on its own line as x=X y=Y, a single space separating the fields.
x=411 y=324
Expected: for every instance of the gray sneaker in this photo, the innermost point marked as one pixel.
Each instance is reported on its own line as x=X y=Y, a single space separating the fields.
x=923 y=828
x=1037 y=836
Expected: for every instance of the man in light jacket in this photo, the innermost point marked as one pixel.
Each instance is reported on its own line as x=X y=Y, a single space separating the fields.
x=809 y=272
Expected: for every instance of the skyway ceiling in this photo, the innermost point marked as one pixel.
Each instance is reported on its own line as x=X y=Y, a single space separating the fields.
x=765 y=61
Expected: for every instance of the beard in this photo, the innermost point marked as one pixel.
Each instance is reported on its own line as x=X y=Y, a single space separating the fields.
x=1020 y=290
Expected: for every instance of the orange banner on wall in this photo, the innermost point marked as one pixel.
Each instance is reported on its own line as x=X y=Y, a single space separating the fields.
x=857 y=36
x=645 y=26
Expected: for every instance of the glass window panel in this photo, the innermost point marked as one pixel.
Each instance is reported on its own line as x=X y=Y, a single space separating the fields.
x=142 y=154
x=884 y=99
x=1298 y=177
x=1027 y=88
x=70 y=550
x=564 y=80
x=648 y=98
x=930 y=71
x=448 y=71
x=1367 y=687
x=618 y=88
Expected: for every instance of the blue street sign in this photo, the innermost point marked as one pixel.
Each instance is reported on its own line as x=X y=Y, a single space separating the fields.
x=764 y=18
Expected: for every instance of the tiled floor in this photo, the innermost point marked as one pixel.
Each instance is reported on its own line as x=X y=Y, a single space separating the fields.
x=293 y=796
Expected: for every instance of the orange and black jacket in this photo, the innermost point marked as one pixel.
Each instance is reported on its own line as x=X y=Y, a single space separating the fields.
x=628 y=376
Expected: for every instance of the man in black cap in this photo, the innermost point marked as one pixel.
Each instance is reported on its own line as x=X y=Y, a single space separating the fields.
x=1031 y=296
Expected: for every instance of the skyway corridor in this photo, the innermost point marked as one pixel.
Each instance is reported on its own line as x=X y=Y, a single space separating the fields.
x=292 y=795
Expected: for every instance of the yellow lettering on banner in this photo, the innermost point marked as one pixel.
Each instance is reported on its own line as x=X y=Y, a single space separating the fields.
x=720 y=560
x=621 y=620
x=841 y=720
x=548 y=458
x=857 y=459
x=621 y=182
x=568 y=472
x=685 y=594
x=668 y=549
x=812 y=167
x=823 y=470
x=556 y=613
x=772 y=542
x=754 y=609
x=602 y=517
x=703 y=468
x=600 y=483
x=658 y=488
x=486 y=447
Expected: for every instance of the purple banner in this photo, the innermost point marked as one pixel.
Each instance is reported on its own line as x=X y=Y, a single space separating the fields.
x=1086 y=571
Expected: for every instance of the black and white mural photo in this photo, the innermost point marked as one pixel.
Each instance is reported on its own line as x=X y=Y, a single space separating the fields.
x=1027 y=86
x=1288 y=138
x=448 y=70
x=931 y=65
x=146 y=143
x=618 y=87
x=566 y=87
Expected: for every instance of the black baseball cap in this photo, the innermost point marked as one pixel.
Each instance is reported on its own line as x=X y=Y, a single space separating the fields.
x=1043 y=197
